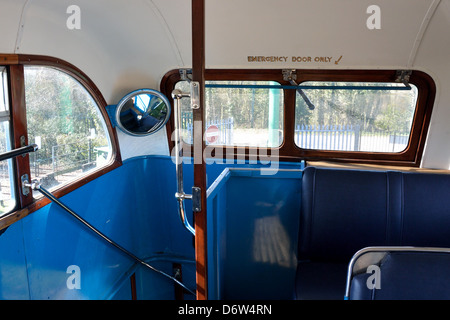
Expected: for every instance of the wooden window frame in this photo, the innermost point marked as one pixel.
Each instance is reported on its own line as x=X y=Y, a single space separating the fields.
x=289 y=151
x=15 y=64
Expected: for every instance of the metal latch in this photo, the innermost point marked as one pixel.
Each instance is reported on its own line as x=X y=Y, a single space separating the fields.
x=196 y=199
x=25 y=187
x=195 y=95
x=403 y=77
x=184 y=74
x=290 y=75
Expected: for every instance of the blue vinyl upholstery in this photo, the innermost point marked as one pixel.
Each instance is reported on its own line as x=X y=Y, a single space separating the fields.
x=343 y=211
x=407 y=275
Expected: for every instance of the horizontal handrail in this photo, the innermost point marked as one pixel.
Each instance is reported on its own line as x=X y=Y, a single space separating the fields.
x=36 y=186
x=18 y=152
x=386 y=249
x=306 y=87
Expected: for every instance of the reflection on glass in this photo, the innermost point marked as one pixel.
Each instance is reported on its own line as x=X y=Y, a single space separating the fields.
x=66 y=122
x=243 y=116
x=370 y=117
x=7 y=197
x=142 y=113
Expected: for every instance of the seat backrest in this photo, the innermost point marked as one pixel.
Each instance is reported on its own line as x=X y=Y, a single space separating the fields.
x=425 y=210
x=343 y=211
x=402 y=274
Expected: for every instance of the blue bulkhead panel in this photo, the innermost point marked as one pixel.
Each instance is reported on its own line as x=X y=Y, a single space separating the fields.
x=135 y=206
x=253 y=223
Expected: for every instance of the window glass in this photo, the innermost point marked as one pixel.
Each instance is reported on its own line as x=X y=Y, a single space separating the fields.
x=370 y=117
x=7 y=190
x=65 y=122
x=243 y=116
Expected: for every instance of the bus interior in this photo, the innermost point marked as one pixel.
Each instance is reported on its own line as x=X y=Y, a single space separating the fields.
x=224 y=150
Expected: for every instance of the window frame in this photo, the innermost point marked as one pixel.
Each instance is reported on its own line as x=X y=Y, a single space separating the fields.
x=250 y=144
x=289 y=151
x=6 y=116
x=15 y=68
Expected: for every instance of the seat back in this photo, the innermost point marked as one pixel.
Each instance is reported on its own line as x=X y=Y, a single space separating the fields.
x=343 y=211
x=399 y=273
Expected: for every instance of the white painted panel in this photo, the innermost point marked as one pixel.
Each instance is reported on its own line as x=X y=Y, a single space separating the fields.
x=120 y=46
x=237 y=29
x=434 y=57
x=10 y=14
x=125 y=45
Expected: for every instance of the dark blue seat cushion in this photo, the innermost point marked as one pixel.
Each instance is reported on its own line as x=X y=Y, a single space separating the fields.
x=407 y=276
x=426 y=210
x=320 y=281
x=342 y=212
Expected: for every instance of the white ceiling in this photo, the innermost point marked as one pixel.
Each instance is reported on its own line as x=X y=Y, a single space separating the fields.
x=125 y=45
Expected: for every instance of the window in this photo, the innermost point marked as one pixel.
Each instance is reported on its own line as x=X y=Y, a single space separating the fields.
x=51 y=103
x=240 y=112
x=65 y=122
x=360 y=116
x=7 y=191
x=355 y=116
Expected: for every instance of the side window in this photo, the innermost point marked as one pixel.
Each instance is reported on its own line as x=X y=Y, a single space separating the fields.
x=64 y=121
x=355 y=116
x=238 y=113
x=7 y=191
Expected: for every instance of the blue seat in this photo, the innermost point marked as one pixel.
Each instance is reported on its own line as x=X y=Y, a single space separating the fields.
x=404 y=273
x=344 y=210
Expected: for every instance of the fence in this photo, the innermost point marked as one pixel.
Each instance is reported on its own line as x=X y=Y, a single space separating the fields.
x=225 y=129
x=341 y=137
x=348 y=138
x=64 y=159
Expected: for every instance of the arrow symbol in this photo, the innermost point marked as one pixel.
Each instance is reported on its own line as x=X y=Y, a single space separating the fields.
x=337 y=61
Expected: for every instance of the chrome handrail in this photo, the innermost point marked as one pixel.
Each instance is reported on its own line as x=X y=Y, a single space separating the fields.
x=18 y=152
x=177 y=95
x=35 y=185
x=382 y=249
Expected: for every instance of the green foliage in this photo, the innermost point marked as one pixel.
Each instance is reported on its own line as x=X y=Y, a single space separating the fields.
x=62 y=113
x=371 y=110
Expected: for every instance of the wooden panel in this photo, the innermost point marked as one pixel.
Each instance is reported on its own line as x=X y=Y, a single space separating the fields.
x=9 y=59
x=198 y=74
x=19 y=125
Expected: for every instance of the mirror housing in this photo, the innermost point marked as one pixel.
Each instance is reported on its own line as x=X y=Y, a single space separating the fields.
x=142 y=112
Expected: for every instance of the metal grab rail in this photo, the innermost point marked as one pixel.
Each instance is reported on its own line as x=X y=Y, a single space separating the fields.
x=36 y=186
x=18 y=152
x=180 y=195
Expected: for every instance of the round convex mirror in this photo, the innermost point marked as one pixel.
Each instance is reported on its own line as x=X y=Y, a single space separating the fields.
x=142 y=112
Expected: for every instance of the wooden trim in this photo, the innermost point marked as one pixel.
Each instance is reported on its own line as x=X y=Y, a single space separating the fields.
x=289 y=151
x=19 y=129
x=133 y=286
x=167 y=85
x=198 y=74
x=9 y=59
x=18 y=110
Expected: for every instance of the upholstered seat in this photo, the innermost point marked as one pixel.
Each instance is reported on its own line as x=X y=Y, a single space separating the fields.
x=343 y=211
